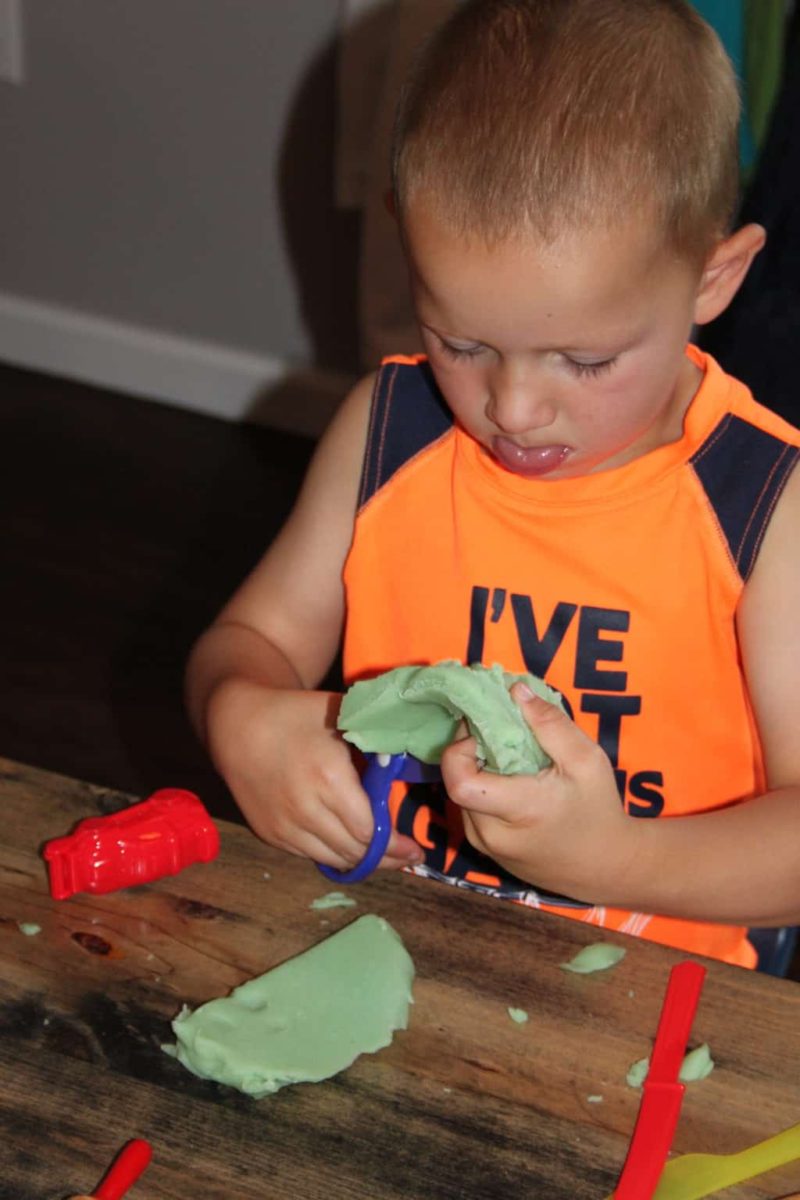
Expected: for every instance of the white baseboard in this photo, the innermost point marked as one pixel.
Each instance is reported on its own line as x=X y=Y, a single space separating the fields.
x=217 y=380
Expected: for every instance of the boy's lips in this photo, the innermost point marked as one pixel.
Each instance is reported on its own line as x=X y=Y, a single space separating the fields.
x=529 y=461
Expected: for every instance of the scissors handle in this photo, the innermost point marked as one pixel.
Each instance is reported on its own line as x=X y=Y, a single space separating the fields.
x=377 y=780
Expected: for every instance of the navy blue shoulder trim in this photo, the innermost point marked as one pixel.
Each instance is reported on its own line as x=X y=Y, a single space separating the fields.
x=743 y=471
x=408 y=413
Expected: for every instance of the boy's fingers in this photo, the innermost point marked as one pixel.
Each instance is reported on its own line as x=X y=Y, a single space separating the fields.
x=402 y=851
x=345 y=798
x=466 y=784
x=317 y=848
x=328 y=831
x=351 y=809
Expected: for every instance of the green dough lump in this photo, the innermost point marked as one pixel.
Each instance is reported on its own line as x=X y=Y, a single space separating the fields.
x=599 y=956
x=416 y=710
x=306 y=1019
x=333 y=900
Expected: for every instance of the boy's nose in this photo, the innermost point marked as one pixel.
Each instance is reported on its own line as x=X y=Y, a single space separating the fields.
x=517 y=403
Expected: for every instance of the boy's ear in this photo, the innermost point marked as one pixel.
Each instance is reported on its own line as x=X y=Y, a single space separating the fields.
x=725 y=270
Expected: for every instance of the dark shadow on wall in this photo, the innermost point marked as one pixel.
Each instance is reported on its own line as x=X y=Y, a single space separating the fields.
x=323 y=240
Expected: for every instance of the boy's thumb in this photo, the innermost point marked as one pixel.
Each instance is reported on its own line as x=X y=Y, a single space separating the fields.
x=555 y=732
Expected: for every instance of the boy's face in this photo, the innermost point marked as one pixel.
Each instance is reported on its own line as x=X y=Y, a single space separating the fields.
x=559 y=359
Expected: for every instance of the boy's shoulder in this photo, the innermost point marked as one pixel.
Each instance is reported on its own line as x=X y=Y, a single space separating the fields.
x=724 y=396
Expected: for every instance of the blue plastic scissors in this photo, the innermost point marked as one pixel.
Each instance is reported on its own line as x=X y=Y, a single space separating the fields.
x=379 y=774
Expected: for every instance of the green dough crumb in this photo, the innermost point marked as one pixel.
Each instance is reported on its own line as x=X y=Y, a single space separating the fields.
x=697 y=1064
x=417 y=710
x=29 y=928
x=594 y=1099
x=333 y=900
x=518 y=1015
x=597 y=957
x=306 y=1019
x=637 y=1072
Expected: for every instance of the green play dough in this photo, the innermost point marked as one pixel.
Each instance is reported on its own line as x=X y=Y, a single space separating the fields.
x=333 y=900
x=597 y=957
x=306 y=1019
x=637 y=1072
x=416 y=710
x=698 y=1064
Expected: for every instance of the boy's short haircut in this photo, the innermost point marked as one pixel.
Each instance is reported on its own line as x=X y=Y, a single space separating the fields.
x=555 y=115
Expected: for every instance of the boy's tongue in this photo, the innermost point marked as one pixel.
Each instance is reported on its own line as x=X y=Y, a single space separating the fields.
x=529 y=461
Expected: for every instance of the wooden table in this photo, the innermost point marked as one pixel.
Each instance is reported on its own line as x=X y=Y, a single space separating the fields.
x=464 y=1105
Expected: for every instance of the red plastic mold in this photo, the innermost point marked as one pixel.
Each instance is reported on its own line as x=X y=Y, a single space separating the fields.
x=159 y=836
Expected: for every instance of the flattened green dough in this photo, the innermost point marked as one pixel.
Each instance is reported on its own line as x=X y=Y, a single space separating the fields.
x=637 y=1073
x=599 y=956
x=306 y=1019
x=416 y=710
x=698 y=1064
x=333 y=900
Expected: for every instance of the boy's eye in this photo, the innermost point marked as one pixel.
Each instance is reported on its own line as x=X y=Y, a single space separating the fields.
x=459 y=351
x=590 y=369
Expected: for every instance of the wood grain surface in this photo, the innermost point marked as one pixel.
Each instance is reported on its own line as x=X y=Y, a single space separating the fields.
x=464 y=1105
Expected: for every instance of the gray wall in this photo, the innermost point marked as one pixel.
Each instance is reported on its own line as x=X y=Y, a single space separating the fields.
x=168 y=163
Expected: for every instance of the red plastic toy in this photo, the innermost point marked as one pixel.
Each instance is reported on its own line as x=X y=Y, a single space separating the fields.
x=129 y=1164
x=159 y=836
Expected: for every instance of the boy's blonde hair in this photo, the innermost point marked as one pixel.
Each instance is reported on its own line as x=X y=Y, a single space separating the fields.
x=552 y=115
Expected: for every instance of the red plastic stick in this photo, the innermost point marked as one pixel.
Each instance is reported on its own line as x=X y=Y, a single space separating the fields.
x=662 y=1094
x=125 y=1170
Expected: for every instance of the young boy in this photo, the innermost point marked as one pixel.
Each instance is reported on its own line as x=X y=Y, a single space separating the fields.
x=560 y=486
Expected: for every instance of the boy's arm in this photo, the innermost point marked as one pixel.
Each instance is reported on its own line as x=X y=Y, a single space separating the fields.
x=565 y=829
x=250 y=675
x=746 y=857
x=283 y=624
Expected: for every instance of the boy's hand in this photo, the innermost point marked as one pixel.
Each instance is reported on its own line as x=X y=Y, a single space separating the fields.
x=564 y=829
x=292 y=775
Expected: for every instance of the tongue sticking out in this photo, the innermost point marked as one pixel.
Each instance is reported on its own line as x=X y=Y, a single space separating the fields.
x=529 y=461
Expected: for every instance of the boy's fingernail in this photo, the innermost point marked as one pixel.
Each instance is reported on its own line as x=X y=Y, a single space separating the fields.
x=524 y=692
x=415 y=857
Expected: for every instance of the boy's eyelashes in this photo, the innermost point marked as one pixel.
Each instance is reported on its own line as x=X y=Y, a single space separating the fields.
x=459 y=351
x=591 y=368
x=583 y=369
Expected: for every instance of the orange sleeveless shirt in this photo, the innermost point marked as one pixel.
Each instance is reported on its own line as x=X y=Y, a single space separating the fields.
x=620 y=588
